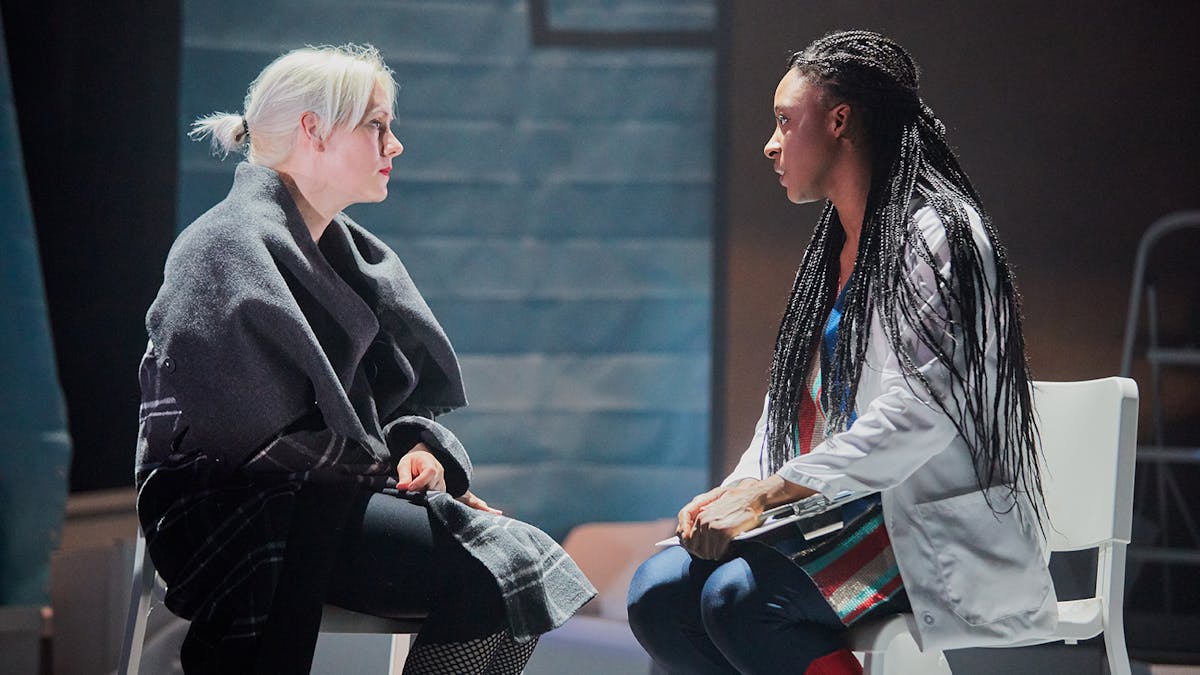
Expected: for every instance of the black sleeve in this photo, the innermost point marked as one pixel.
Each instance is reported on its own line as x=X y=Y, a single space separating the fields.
x=405 y=432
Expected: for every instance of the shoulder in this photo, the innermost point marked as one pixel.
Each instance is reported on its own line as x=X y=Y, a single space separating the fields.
x=231 y=235
x=221 y=228
x=930 y=217
x=254 y=216
x=936 y=221
x=218 y=266
x=210 y=258
x=948 y=240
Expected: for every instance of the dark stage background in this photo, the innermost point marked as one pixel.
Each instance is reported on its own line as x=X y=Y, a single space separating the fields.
x=96 y=86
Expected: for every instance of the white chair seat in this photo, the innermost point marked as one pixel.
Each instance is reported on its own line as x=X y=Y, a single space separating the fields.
x=1080 y=619
x=1077 y=620
x=894 y=635
x=865 y=636
x=336 y=619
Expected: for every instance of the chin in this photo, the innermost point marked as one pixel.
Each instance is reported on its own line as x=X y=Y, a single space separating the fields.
x=802 y=198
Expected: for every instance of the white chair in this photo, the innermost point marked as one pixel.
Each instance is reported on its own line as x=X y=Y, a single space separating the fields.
x=333 y=619
x=1089 y=439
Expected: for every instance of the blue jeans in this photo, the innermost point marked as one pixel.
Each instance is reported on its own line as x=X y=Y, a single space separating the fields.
x=755 y=613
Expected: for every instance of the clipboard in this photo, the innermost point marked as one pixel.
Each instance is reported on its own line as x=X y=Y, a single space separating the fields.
x=813 y=516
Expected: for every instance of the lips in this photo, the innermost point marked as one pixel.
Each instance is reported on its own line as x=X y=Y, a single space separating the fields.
x=387 y=171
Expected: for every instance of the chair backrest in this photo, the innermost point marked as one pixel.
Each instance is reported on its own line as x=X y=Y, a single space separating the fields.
x=1088 y=436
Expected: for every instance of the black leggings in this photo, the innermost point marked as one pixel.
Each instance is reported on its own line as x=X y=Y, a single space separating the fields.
x=397 y=558
x=388 y=557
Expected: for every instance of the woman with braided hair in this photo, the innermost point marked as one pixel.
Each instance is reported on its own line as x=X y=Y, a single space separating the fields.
x=899 y=371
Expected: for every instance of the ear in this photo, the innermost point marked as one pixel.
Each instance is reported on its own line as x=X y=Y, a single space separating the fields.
x=310 y=126
x=839 y=120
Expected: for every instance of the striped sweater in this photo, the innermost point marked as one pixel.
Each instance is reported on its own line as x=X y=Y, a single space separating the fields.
x=855 y=569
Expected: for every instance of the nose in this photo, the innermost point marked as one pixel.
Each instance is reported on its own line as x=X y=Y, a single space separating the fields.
x=391 y=145
x=771 y=149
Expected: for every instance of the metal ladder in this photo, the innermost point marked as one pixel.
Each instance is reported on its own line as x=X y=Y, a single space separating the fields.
x=1156 y=460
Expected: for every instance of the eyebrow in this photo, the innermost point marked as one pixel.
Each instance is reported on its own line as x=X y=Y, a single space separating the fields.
x=378 y=109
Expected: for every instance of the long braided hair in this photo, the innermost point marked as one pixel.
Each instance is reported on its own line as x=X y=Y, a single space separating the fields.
x=910 y=163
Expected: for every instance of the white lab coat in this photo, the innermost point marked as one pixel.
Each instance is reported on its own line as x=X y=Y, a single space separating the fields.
x=973 y=577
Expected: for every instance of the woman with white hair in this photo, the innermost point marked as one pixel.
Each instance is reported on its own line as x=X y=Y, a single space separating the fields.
x=287 y=452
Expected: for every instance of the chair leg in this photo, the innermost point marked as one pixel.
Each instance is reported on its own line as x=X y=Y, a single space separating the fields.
x=1114 y=648
x=1114 y=628
x=401 y=643
x=139 y=606
x=873 y=663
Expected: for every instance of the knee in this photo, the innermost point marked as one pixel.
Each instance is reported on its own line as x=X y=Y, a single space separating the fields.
x=727 y=597
x=658 y=588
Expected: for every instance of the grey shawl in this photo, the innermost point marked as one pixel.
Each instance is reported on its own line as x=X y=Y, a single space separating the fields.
x=233 y=324
x=237 y=362
x=540 y=584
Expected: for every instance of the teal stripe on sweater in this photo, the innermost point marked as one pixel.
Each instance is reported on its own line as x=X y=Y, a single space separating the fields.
x=875 y=586
x=821 y=562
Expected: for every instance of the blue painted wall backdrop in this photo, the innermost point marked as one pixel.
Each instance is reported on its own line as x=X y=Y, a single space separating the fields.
x=553 y=204
x=35 y=451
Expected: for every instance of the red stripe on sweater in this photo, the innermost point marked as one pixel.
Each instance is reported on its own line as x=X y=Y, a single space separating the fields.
x=806 y=421
x=875 y=599
x=852 y=560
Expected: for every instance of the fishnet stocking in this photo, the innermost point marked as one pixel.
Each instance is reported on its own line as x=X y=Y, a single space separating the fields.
x=452 y=658
x=511 y=656
x=496 y=654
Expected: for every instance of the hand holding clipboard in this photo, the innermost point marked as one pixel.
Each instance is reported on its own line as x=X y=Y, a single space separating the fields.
x=804 y=513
